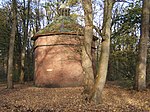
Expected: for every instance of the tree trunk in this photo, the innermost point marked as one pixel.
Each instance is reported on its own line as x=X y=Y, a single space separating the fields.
x=19 y=45
x=11 y=47
x=143 y=46
x=37 y=19
x=86 y=48
x=23 y=53
x=96 y=92
x=22 y=66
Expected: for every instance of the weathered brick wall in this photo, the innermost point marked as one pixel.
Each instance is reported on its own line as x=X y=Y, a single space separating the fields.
x=58 y=61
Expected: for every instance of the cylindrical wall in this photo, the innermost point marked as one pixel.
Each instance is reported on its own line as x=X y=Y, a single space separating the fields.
x=58 y=61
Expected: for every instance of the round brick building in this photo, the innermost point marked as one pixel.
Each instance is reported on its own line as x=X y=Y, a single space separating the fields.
x=57 y=53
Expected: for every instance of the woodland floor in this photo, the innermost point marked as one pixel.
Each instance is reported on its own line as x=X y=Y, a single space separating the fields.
x=27 y=98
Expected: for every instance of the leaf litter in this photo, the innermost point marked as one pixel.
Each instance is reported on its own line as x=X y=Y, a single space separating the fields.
x=28 y=98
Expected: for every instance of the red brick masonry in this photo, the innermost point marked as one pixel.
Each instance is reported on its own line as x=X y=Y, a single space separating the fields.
x=58 y=61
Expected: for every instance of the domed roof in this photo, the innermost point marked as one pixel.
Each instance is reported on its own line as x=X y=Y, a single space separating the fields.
x=62 y=24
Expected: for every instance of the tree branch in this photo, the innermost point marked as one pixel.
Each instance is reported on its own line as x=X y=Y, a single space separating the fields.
x=98 y=30
x=122 y=1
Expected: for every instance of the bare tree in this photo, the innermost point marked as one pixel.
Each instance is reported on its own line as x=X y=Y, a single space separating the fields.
x=86 y=48
x=143 y=46
x=26 y=18
x=96 y=92
x=11 y=47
